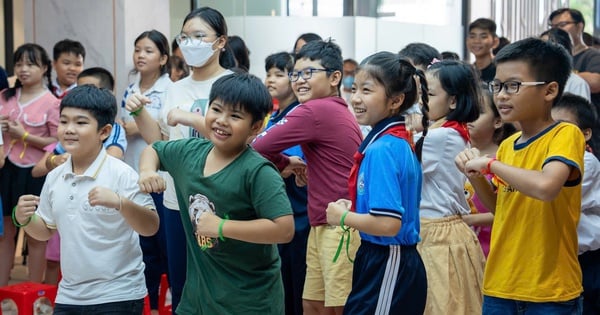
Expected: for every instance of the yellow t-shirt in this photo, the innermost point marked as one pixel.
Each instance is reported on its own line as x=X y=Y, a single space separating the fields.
x=533 y=255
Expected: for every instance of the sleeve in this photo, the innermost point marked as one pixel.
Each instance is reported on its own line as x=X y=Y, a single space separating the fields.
x=116 y=138
x=1 y=138
x=297 y=127
x=593 y=64
x=123 y=113
x=59 y=149
x=568 y=146
x=3 y=79
x=44 y=208
x=590 y=188
x=170 y=154
x=268 y=193
x=53 y=117
x=383 y=171
x=129 y=188
x=434 y=148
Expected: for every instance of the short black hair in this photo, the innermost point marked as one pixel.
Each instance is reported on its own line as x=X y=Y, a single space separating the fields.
x=420 y=54
x=243 y=91
x=306 y=37
x=350 y=60
x=560 y=37
x=449 y=55
x=328 y=53
x=283 y=61
x=583 y=110
x=502 y=41
x=484 y=24
x=104 y=76
x=575 y=15
x=68 y=46
x=101 y=103
x=547 y=61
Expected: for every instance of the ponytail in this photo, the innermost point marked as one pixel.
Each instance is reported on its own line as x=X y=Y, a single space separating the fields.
x=425 y=111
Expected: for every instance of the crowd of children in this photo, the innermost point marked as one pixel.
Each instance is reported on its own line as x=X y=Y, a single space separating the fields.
x=394 y=185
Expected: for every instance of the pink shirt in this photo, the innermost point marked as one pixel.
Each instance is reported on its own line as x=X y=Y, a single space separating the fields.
x=39 y=117
x=329 y=136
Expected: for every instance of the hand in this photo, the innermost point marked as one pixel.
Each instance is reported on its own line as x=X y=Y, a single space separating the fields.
x=476 y=166
x=4 y=123
x=208 y=224
x=136 y=102
x=178 y=116
x=297 y=167
x=15 y=130
x=26 y=208
x=335 y=210
x=151 y=182
x=463 y=157
x=102 y=196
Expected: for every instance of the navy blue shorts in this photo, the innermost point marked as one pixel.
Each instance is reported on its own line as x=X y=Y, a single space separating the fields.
x=16 y=181
x=387 y=280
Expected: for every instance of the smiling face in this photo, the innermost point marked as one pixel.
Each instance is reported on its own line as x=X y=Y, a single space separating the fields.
x=29 y=73
x=79 y=134
x=278 y=84
x=320 y=84
x=480 y=42
x=440 y=102
x=230 y=127
x=369 y=101
x=67 y=67
x=147 y=58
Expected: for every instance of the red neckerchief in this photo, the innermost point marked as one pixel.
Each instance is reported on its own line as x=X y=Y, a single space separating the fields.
x=460 y=127
x=392 y=127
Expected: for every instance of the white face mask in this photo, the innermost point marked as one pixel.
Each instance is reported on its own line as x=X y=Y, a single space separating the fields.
x=197 y=53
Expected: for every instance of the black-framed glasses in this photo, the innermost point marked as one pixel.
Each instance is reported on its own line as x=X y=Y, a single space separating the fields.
x=510 y=87
x=561 y=24
x=304 y=74
x=184 y=39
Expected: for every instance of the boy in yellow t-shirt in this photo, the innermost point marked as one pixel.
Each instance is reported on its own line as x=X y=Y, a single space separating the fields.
x=532 y=263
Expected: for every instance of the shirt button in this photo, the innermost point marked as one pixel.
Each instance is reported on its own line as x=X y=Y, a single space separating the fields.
x=73 y=184
x=71 y=197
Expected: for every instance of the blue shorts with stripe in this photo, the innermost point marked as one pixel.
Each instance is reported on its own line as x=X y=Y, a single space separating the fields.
x=387 y=280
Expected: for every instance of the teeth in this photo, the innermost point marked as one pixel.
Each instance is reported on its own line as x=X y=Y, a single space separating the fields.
x=220 y=132
x=359 y=110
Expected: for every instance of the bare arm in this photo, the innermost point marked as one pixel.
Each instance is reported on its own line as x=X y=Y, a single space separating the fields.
x=364 y=222
x=143 y=220
x=2 y=156
x=149 y=180
x=146 y=125
x=258 y=231
x=25 y=212
x=482 y=186
x=593 y=79
x=479 y=219
x=196 y=121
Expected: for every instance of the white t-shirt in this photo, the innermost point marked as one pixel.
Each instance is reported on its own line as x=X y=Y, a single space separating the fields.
x=443 y=188
x=191 y=96
x=156 y=94
x=588 y=230
x=578 y=86
x=101 y=259
x=1 y=139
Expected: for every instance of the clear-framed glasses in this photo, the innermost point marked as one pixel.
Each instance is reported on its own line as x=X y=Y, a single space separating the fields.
x=561 y=24
x=510 y=87
x=185 y=39
x=304 y=74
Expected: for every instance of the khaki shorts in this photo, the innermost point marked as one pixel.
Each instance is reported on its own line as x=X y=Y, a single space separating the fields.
x=325 y=280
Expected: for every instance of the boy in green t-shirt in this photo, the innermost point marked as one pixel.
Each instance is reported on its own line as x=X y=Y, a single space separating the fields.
x=236 y=200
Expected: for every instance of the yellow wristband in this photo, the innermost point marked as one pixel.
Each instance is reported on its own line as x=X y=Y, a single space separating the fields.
x=52 y=160
x=25 y=135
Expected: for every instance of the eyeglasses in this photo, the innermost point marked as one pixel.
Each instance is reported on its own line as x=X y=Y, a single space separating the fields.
x=510 y=87
x=304 y=74
x=561 y=24
x=185 y=39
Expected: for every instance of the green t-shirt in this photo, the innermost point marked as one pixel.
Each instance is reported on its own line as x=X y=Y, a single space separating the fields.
x=231 y=276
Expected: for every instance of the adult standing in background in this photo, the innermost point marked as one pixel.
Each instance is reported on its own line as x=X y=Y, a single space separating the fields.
x=586 y=61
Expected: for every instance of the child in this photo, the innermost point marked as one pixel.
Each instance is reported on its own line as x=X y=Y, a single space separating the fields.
x=68 y=57
x=151 y=60
x=389 y=275
x=202 y=41
x=449 y=247
x=29 y=119
x=533 y=253
x=328 y=135
x=94 y=202
x=579 y=111
x=56 y=155
x=293 y=254
x=486 y=134
x=480 y=42
x=236 y=204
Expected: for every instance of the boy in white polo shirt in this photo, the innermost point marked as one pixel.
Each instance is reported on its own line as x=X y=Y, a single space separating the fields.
x=94 y=202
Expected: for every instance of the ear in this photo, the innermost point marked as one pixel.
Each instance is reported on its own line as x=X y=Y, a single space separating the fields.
x=163 y=60
x=105 y=131
x=452 y=104
x=496 y=42
x=221 y=42
x=257 y=127
x=551 y=91
x=335 y=78
x=587 y=134
x=397 y=101
x=498 y=122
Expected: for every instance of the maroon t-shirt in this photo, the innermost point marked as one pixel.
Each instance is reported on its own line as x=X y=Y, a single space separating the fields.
x=329 y=135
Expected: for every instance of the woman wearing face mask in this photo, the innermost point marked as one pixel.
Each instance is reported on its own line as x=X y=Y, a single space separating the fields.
x=203 y=42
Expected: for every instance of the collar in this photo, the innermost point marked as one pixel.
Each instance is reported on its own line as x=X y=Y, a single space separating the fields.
x=380 y=127
x=280 y=114
x=161 y=84
x=92 y=171
x=58 y=91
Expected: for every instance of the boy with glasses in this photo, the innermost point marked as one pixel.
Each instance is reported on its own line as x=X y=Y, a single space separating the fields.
x=329 y=136
x=536 y=193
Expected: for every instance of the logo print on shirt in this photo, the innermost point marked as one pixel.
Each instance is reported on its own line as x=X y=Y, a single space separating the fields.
x=198 y=205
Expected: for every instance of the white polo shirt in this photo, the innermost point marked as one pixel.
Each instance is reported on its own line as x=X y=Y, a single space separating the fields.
x=588 y=230
x=101 y=259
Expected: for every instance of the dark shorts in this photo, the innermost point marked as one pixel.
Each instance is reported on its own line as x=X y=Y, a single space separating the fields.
x=498 y=306
x=133 y=307
x=16 y=181
x=387 y=280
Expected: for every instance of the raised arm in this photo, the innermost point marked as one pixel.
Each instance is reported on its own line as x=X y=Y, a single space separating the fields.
x=25 y=216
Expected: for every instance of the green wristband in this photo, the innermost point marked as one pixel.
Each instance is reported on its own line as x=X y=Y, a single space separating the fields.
x=137 y=112
x=221 y=237
x=14 y=219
